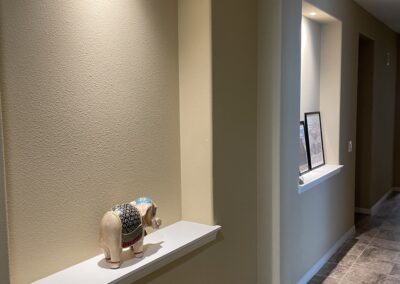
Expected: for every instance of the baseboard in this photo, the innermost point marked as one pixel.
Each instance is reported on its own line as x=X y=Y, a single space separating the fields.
x=363 y=210
x=396 y=189
x=323 y=260
x=374 y=209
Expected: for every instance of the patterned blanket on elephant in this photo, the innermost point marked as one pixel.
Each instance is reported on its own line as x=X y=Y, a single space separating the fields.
x=132 y=228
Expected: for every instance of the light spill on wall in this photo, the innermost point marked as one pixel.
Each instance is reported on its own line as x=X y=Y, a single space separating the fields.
x=91 y=118
x=310 y=66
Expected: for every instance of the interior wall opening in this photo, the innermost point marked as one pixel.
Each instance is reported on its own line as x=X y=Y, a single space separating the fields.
x=365 y=88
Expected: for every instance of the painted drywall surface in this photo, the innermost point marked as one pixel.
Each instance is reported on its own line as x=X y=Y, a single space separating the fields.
x=233 y=258
x=195 y=110
x=91 y=119
x=310 y=66
x=330 y=88
x=268 y=141
x=4 y=263
x=396 y=157
x=312 y=222
x=290 y=208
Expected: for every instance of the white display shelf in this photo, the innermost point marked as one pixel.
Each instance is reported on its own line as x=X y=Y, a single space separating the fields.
x=161 y=247
x=317 y=176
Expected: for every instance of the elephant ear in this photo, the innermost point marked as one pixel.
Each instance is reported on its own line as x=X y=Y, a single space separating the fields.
x=150 y=213
x=143 y=208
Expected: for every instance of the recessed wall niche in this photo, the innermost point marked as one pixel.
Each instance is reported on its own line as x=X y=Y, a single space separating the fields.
x=321 y=56
x=92 y=112
x=321 y=45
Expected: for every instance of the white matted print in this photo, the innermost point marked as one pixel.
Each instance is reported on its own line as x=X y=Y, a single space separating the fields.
x=303 y=153
x=314 y=139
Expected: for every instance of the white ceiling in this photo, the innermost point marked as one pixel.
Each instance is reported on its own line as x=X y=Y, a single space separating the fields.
x=388 y=11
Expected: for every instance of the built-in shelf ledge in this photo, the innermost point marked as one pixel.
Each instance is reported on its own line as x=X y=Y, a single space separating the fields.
x=161 y=247
x=317 y=176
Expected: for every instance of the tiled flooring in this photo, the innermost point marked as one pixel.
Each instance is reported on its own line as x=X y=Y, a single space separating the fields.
x=373 y=255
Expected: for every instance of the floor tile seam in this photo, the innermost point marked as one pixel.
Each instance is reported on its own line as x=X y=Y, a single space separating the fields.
x=357 y=258
x=351 y=266
x=326 y=276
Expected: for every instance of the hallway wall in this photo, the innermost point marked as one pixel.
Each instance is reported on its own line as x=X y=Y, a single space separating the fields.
x=233 y=258
x=73 y=109
x=396 y=156
x=91 y=119
x=312 y=222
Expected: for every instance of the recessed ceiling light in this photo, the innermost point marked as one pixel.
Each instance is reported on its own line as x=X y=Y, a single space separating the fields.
x=312 y=14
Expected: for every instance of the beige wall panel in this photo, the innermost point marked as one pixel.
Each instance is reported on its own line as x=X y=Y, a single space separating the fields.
x=268 y=141
x=310 y=66
x=331 y=66
x=195 y=110
x=4 y=263
x=91 y=118
x=233 y=258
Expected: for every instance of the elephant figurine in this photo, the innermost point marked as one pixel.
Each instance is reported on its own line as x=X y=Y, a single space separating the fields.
x=124 y=226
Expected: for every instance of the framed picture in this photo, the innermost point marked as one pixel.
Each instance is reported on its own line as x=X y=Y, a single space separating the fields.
x=315 y=143
x=304 y=165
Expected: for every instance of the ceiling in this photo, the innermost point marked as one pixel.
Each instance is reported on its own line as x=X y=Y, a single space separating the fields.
x=388 y=11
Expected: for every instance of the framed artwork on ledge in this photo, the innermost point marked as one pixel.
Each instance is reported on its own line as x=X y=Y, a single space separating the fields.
x=315 y=142
x=304 y=166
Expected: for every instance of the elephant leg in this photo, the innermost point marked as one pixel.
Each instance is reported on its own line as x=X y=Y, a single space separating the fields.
x=110 y=238
x=107 y=255
x=115 y=256
x=138 y=248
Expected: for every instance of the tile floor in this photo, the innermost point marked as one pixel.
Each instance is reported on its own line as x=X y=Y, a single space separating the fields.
x=373 y=254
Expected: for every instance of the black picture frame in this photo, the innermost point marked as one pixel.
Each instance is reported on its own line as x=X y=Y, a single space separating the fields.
x=304 y=157
x=315 y=141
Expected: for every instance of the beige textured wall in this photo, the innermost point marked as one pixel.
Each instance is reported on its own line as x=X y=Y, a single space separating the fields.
x=233 y=258
x=91 y=118
x=195 y=110
x=312 y=222
x=4 y=263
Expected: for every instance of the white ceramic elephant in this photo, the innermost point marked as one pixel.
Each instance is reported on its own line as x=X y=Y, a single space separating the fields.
x=124 y=226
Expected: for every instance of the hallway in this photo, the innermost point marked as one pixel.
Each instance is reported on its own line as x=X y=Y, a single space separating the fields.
x=373 y=255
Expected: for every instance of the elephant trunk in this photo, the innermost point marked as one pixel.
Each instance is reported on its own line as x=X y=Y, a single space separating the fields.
x=156 y=223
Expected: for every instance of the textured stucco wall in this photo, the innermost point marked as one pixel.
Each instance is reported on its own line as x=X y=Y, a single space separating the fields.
x=233 y=257
x=91 y=118
x=4 y=264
